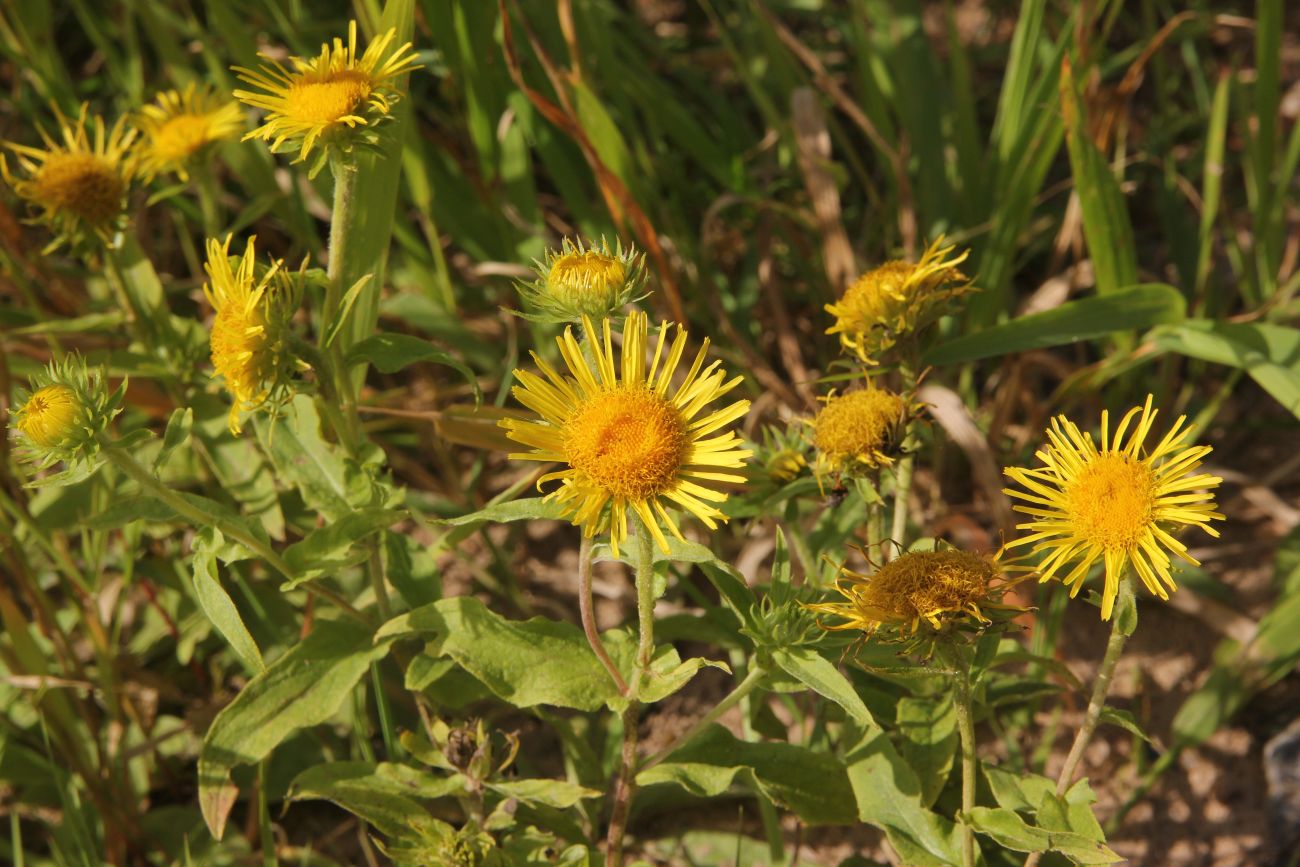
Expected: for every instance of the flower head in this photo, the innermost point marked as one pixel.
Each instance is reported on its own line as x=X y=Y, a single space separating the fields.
x=250 y=333
x=858 y=429
x=896 y=299
x=181 y=125
x=66 y=409
x=629 y=440
x=79 y=183
x=930 y=588
x=335 y=99
x=584 y=279
x=1117 y=503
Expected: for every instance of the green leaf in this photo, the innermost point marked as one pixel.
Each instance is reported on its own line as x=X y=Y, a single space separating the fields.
x=810 y=784
x=383 y=795
x=888 y=796
x=1125 y=720
x=304 y=687
x=526 y=663
x=817 y=673
x=1136 y=307
x=217 y=605
x=1269 y=353
x=929 y=741
x=337 y=544
x=390 y=352
x=529 y=509
x=176 y=435
x=327 y=480
x=122 y=512
x=1013 y=832
x=560 y=794
x=1030 y=793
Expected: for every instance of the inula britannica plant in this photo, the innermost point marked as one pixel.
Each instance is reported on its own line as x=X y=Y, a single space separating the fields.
x=667 y=436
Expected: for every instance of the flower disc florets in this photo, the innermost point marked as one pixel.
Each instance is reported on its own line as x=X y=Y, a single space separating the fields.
x=335 y=100
x=897 y=299
x=250 y=338
x=66 y=409
x=920 y=589
x=180 y=126
x=77 y=185
x=583 y=279
x=858 y=430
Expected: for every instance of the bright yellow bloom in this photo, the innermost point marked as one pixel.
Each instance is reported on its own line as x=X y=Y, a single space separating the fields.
x=249 y=338
x=50 y=416
x=628 y=438
x=584 y=279
x=896 y=299
x=858 y=429
x=79 y=184
x=931 y=587
x=334 y=98
x=1116 y=504
x=179 y=126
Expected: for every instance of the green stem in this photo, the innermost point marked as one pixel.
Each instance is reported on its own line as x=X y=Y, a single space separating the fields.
x=266 y=834
x=737 y=695
x=201 y=518
x=588 y=616
x=209 y=205
x=645 y=605
x=345 y=183
x=966 y=728
x=902 y=492
x=1100 y=689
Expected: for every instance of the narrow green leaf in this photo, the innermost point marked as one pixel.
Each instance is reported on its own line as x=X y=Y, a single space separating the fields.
x=176 y=435
x=389 y=352
x=560 y=794
x=1013 y=832
x=529 y=509
x=337 y=544
x=1269 y=353
x=217 y=605
x=928 y=727
x=817 y=673
x=383 y=795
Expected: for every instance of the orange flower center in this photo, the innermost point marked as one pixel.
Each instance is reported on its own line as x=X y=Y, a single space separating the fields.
x=1111 y=501
x=629 y=440
x=328 y=100
x=85 y=185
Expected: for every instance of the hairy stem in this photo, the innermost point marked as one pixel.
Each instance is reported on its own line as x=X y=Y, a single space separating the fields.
x=1100 y=689
x=737 y=695
x=645 y=604
x=966 y=728
x=589 y=615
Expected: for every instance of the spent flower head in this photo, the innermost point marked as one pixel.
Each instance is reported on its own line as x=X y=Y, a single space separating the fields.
x=859 y=430
x=629 y=439
x=583 y=278
x=1117 y=503
x=335 y=100
x=77 y=184
x=180 y=127
x=66 y=409
x=250 y=338
x=920 y=590
x=895 y=300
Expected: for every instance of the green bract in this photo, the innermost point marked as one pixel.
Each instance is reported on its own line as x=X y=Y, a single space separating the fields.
x=63 y=413
x=583 y=279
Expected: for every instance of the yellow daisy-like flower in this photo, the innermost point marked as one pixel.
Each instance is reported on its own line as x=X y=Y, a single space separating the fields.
x=180 y=125
x=584 y=279
x=1117 y=503
x=79 y=183
x=249 y=341
x=335 y=98
x=858 y=429
x=919 y=587
x=49 y=418
x=896 y=299
x=630 y=440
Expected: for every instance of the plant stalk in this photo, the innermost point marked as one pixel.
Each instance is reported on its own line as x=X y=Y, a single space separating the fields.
x=1097 y=703
x=589 y=615
x=961 y=695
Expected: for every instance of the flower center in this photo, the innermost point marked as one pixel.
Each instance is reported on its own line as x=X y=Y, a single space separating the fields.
x=924 y=583
x=181 y=137
x=1110 y=502
x=629 y=441
x=857 y=422
x=49 y=417
x=239 y=352
x=585 y=276
x=327 y=100
x=873 y=295
x=83 y=184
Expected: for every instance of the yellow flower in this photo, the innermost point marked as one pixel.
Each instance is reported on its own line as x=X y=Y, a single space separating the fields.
x=628 y=438
x=79 y=183
x=931 y=587
x=179 y=126
x=335 y=98
x=249 y=341
x=50 y=416
x=584 y=279
x=1117 y=503
x=858 y=429
x=896 y=299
